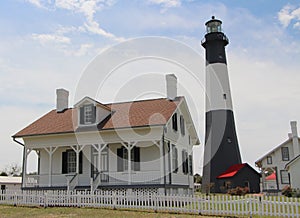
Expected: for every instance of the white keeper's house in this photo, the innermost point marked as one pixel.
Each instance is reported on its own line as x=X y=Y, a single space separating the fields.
x=138 y=145
x=277 y=167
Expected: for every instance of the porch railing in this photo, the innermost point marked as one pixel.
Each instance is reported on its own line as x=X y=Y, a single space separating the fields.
x=105 y=178
x=72 y=181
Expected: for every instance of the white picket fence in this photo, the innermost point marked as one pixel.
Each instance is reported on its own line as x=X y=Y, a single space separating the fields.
x=206 y=205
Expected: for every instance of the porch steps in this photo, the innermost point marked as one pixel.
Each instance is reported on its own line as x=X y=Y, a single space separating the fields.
x=96 y=182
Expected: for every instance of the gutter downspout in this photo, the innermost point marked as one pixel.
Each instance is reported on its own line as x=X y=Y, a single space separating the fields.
x=23 y=162
x=164 y=161
x=277 y=182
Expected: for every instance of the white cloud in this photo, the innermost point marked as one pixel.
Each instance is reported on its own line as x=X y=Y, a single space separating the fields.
x=87 y=8
x=36 y=3
x=83 y=50
x=166 y=3
x=297 y=25
x=46 y=38
x=287 y=14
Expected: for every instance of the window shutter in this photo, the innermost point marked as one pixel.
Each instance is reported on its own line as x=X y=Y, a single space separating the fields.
x=80 y=162
x=136 y=158
x=81 y=115
x=39 y=163
x=64 y=163
x=120 y=159
x=182 y=127
x=183 y=161
x=191 y=164
x=93 y=114
x=186 y=162
x=174 y=122
x=176 y=160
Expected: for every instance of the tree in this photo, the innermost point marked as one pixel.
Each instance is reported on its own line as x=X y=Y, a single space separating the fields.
x=13 y=170
x=3 y=174
x=197 y=178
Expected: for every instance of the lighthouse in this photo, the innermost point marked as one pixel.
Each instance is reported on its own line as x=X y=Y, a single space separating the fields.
x=221 y=144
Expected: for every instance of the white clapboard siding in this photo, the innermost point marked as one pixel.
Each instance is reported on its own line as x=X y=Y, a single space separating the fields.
x=224 y=205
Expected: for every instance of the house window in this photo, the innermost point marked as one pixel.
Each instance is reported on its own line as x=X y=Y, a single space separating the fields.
x=285 y=177
x=191 y=165
x=269 y=160
x=122 y=161
x=182 y=126
x=3 y=187
x=285 y=153
x=174 y=122
x=174 y=159
x=184 y=162
x=69 y=162
x=88 y=114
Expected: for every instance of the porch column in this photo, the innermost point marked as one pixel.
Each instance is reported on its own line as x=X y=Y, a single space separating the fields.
x=26 y=152
x=50 y=151
x=129 y=147
x=170 y=162
x=160 y=145
x=99 y=148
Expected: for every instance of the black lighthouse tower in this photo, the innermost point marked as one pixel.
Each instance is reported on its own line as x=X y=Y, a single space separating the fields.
x=221 y=145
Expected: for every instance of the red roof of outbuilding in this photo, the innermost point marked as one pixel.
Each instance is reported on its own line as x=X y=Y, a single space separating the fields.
x=271 y=177
x=232 y=171
x=126 y=114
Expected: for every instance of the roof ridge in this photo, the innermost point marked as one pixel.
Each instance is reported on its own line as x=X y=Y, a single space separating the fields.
x=142 y=100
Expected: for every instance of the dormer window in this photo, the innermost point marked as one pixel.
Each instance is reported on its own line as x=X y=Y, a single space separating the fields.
x=87 y=114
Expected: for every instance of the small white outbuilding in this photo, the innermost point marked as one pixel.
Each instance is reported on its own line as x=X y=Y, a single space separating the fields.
x=10 y=182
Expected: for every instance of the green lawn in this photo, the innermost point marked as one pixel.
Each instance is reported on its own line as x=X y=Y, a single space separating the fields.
x=23 y=212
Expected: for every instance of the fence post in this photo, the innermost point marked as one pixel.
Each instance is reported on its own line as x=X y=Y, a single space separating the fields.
x=249 y=207
x=114 y=200
x=15 y=199
x=155 y=203
x=45 y=200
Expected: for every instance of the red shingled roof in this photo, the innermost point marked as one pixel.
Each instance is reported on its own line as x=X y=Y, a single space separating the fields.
x=124 y=115
x=231 y=171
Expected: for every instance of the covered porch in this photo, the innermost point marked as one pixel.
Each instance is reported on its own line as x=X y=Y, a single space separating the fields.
x=91 y=166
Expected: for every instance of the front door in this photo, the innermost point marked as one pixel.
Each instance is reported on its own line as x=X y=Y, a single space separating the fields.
x=103 y=166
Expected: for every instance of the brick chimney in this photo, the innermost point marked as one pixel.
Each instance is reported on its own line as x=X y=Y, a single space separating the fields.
x=62 y=100
x=171 y=82
x=295 y=138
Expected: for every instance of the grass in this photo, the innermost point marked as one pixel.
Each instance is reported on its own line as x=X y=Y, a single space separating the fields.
x=54 y=212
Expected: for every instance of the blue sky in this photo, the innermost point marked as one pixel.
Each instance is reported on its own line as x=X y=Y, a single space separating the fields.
x=46 y=44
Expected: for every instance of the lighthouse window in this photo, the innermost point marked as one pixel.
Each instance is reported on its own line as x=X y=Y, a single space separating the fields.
x=224 y=96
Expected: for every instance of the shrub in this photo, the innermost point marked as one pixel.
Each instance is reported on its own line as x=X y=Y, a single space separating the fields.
x=287 y=191
x=241 y=191
x=296 y=193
